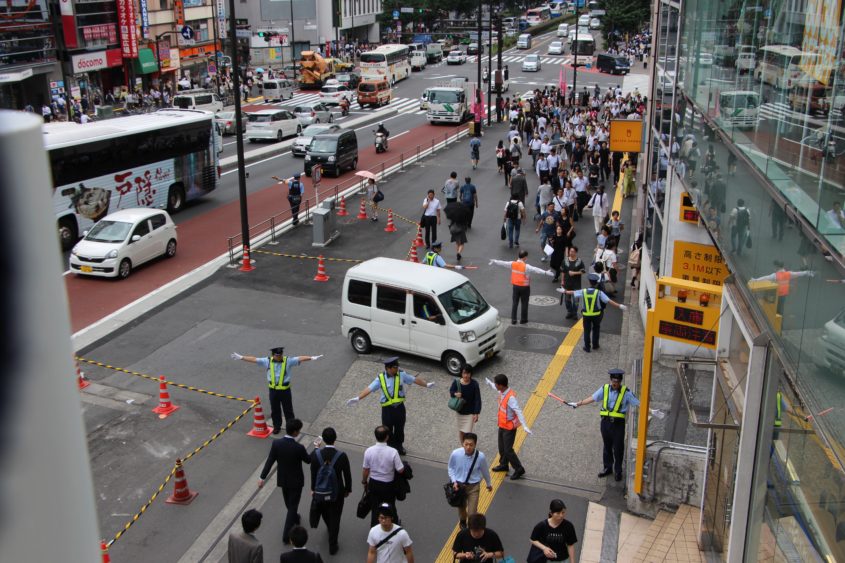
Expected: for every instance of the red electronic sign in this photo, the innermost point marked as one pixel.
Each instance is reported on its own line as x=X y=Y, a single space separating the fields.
x=689 y=333
x=691 y=316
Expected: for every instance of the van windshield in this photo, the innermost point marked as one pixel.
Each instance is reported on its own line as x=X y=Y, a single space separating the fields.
x=183 y=102
x=463 y=303
x=738 y=101
x=323 y=145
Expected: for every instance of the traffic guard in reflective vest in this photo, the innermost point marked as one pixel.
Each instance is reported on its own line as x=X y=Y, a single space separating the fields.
x=616 y=400
x=278 y=367
x=593 y=302
x=391 y=383
x=433 y=258
x=521 y=281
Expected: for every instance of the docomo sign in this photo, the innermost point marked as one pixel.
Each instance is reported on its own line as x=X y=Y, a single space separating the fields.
x=89 y=62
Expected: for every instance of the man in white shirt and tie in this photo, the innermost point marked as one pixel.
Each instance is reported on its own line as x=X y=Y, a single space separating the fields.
x=600 y=204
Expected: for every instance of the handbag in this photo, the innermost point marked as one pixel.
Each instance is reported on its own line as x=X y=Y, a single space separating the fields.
x=748 y=241
x=363 y=505
x=634 y=258
x=455 y=229
x=379 y=196
x=504 y=234
x=457 y=403
x=456 y=497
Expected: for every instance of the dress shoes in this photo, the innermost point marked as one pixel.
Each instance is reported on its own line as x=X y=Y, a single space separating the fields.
x=517 y=474
x=500 y=468
x=605 y=473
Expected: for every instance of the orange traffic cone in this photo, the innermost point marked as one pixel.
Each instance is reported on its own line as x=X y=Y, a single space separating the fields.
x=165 y=408
x=390 y=228
x=412 y=256
x=259 y=425
x=81 y=382
x=104 y=549
x=342 y=212
x=362 y=211
x=419 y=242
x=321 y=271
x=181 y=493
x=247 y=263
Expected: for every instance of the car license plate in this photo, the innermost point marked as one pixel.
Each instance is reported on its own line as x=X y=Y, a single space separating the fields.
x=86 y=269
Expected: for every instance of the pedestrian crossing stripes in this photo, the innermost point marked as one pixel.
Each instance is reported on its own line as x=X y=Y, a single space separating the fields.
x=546 y=60
x=780 y=111
x=403 y=105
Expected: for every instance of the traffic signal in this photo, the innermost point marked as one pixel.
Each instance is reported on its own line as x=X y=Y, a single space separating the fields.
x=267 y=35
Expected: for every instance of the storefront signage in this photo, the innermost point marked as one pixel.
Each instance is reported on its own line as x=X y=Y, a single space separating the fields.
x=145 y=18
x=126 y=25
x=221 y=19
x=68 y=23
x=626 y=135
x=6 y=77
x=89 y=62
x=698 y=262
x=179 y=12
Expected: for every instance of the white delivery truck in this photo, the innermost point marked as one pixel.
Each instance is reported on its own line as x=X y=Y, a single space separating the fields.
x=450 y=102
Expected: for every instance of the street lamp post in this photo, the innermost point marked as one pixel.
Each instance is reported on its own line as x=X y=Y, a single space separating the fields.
x=292 y=39
x=480 y=44
x=489 y=61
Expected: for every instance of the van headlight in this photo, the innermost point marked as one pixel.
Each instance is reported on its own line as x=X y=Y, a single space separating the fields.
x=307 y=157
x=331 y=158
x=112 y=254
x=467 y=336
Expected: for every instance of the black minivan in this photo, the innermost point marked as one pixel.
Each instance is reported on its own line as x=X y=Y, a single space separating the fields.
x=335 y=151
x=614 y=64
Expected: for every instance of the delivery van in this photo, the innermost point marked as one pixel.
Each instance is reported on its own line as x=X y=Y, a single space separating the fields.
x=739 y=108
x=524 y=41
x=423 y=310
x=276 y=90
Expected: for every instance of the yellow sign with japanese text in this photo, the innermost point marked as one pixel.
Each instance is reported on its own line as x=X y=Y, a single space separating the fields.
x=686 y=311
x=699 y=263
x=626 y=135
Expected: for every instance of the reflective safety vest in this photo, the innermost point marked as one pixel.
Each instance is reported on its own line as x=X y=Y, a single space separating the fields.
x=430 y=257
x=592 y=307
x=397 y=384
x=279 y=383
x=505 y=422
x=779 y=413
x=783 y=278
x=614 y=413
x=518 y=275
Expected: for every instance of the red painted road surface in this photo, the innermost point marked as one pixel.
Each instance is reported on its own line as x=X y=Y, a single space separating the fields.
x=203 y=238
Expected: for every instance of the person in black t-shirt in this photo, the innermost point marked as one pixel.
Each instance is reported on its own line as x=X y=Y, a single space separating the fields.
x=477 y=542
x=553 y=539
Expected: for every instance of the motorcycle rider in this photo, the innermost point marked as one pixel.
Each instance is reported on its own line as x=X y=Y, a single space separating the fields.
x=384 y=132
x=344 y=106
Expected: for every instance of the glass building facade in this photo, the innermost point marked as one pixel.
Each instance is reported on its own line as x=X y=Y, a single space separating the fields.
x=749 y=119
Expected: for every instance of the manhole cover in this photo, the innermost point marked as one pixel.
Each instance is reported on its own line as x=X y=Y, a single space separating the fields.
x=543 y=300
x=537 y=341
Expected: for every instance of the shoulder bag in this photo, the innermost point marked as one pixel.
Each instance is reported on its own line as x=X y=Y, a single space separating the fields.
x=390 y=535
x=379 y=196
x=363 y=505
x=457 y=403
x=456 y=497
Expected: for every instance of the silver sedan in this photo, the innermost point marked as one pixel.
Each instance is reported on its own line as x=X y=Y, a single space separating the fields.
x=314 y=112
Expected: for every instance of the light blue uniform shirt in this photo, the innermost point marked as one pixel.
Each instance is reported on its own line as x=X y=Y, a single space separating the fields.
x=579 y=294
x=404 y=378
x=459 y=463
x=293 y=361
x=627 y=400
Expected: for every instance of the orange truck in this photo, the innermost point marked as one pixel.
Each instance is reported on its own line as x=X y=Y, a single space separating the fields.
x=315 y=70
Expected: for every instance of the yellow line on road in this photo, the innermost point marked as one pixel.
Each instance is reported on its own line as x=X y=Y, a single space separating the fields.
x=531 y=411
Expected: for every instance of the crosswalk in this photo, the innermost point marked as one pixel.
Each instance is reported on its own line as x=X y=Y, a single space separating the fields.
x=549 y=60
x=402 y=105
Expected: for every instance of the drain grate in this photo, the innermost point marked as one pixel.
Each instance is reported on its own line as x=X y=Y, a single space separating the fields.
x=543 y=300
x=535 y=341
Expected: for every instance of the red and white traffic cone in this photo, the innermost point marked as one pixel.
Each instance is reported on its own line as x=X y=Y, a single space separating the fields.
x=81 y=382
x=412 y=256
x=104 y=549
x=181 y=493
x=342 y=212
x=419 y=242
x=321 y=271
x=390 y=228
x=165 y=408
x=259 y=425
x=246 y=266
x=362 y=211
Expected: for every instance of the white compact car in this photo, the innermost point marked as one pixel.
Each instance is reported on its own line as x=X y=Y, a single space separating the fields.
x=122 y=241
x=584 y=20
x=556 y=48
x=531 y=63
x=456 y=58
x=332 y=94
x=271 y=125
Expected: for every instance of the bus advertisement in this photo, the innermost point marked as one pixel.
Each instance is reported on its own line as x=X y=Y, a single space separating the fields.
x=386 y=61
x=162 y=160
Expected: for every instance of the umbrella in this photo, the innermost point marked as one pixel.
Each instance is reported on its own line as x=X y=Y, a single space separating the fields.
x=259 y=69
x=366 y=174
x=557 y=142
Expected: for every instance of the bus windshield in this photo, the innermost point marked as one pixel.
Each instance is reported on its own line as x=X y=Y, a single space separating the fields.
x=584 y=47
x=372 y=58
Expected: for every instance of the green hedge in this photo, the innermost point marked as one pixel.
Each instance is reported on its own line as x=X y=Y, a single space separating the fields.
x=551 y=24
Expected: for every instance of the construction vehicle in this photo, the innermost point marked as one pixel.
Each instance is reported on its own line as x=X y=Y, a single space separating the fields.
x=315 y=70
x=450 y=102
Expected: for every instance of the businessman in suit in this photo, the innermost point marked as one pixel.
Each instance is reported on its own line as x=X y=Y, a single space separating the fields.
x=299 y=554
x=243 y=546
x=331 y=511
x=289 y=455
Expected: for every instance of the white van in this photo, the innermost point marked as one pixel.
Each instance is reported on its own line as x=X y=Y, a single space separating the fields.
x=422 y=310
x=739 y=108
x=198 y=99
x=278 y=89
x=563 y=30
x=524 y=41
x=418 y=60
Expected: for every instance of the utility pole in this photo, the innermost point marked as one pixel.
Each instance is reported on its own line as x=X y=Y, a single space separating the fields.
x=478 y=83
x=239 y=134
x=489 y=60
x=216 y=40
x=292 y=39
x=499 y=74
x=575 y=59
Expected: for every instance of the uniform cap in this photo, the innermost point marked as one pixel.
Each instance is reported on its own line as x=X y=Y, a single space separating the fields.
x=278 y=350
x=437 y=244
x=616 y=373
x=297 y=175
x=594 y=278
x=391 y=361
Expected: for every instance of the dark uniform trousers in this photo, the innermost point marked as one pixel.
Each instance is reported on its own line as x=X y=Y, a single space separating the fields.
x=613 y=436
x=291 y=496
x=520 y=297
x=331 y=512
x=393 y=417
x=280 y=401
x=592 y=326
x=507 y=455
x=380 y=493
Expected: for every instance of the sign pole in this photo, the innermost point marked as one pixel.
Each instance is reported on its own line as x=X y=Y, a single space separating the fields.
x=239 y=131
x=644 y=392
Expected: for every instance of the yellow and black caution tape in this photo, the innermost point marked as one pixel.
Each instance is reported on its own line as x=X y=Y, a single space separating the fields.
x=156 y=379
x=306 y=257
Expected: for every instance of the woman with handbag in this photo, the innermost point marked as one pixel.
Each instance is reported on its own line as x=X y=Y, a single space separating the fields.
x=458 y=215
x=465 y=400
x=553 y=539
x=374 y=196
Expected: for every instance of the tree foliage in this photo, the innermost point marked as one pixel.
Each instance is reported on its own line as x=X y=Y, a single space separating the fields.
x=625 y=16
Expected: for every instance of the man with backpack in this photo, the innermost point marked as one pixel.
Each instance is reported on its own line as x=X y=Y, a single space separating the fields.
x=469 y=198
x=740 y=223
x=331 y=483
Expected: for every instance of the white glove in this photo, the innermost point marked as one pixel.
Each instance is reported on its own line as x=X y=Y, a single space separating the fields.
x=811 y=273
x=459 y=267
x=527 y=430
x=316 y=357
x=430 y=384
x=623 y=307
x=490 y=263
x=236 y=356
x=560 y=290
x=352 y=402
x=573 y=405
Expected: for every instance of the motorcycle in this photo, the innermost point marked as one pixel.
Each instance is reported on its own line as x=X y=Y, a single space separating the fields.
x=380 y=142
x=344 y=107
x=485 y=76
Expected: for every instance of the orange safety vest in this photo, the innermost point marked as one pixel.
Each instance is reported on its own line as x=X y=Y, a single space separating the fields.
x=504 y=422
x=518 y=275
x=783 y=278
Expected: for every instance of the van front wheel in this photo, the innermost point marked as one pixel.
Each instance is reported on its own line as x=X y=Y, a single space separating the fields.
x=453 y=362
x=361 y=342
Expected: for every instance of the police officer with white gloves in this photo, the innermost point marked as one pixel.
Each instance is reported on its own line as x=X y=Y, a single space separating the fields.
x=594 y=301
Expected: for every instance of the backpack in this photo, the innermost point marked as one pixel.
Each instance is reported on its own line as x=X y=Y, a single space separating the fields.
x=326 y=488
x=742 y=218
x=512 y=211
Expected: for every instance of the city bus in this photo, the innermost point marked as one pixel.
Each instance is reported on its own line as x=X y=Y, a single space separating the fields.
x=583 y=49
x=387 y=61
x=555 y=9
x=536 y=16
x=780 y=65
x=162 y=159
